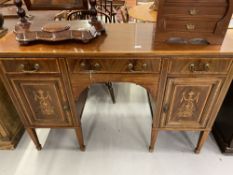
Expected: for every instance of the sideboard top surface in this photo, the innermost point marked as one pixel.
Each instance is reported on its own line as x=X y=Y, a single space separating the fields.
x=120 y=40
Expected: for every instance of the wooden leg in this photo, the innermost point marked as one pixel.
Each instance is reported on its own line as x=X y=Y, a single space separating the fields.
x=79 y=135
x=202 y=138
x=109 y=85
x=33 y=135
x=154 y=135
x=149 y=101
x=81 y=102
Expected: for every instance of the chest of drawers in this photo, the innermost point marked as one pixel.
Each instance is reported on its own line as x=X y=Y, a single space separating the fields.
x=192 y=20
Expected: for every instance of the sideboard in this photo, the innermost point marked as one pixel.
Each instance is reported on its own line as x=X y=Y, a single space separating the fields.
x=48 y=83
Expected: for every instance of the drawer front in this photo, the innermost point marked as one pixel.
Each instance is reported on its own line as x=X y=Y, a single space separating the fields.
x=173 y=25
x=31 y=66
x=195 y=11
x=208 y=66
x=114 y=66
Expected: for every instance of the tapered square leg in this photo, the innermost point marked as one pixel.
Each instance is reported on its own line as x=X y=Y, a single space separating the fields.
x=202 y=138
x=111 y=91
x=154 y=135
x=33 y=135
x=79 y=135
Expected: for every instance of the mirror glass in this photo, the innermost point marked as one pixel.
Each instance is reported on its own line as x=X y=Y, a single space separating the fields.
x=56 y=4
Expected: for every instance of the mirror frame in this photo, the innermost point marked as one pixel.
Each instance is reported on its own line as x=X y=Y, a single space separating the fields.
x=30 y=6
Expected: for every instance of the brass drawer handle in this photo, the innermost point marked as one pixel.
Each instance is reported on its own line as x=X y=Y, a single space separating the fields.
x=88 y=67
x=97 y=65
x=192 y=67
x=199 y=68
x=130 y=66
x=207 y=67
x=144 y=66
x=190 y=26
x=193 y=12
x=82 y=64
x=36 y=68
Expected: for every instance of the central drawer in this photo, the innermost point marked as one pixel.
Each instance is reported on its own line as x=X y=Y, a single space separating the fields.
x=114 y=65
x=199 y=66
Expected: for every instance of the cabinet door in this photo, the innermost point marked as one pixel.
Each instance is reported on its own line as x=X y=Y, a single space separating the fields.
x=43 y=99
x=188 y=102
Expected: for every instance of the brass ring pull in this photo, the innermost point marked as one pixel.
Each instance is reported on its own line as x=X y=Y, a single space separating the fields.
x=193 y=12
x=36 y=68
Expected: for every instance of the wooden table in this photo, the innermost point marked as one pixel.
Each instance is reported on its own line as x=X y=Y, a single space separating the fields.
x=143 y=13
x=48 y=83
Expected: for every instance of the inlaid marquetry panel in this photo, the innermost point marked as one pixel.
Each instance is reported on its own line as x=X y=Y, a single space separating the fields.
x=199 y=66
x=188 y=101
x=44 y=100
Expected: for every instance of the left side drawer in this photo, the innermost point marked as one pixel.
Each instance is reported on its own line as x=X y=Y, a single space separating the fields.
x=31 y=66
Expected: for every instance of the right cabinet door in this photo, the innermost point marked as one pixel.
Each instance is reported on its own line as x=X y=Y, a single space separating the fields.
x=188 y=102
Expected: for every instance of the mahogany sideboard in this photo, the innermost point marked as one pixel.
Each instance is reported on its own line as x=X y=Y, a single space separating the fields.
x=48 y=82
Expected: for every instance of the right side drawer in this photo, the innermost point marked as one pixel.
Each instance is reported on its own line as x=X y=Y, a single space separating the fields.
x=199 y=65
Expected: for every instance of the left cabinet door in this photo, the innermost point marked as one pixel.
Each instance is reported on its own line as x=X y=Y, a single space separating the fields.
x=43 y=99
